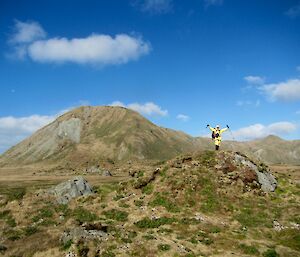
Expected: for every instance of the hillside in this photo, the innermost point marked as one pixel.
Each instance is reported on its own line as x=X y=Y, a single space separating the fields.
x=206 y=204
x=92 y=133
x=272 y=150
x=89 y=134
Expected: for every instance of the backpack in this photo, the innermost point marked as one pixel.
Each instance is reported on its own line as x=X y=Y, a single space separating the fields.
x=214 y=135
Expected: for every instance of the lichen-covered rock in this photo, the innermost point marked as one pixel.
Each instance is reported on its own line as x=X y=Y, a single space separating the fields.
x=70 y=189
x=86 y=232
x=265 y=178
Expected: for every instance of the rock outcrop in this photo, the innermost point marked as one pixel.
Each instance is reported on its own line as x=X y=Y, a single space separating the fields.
x=70 y=189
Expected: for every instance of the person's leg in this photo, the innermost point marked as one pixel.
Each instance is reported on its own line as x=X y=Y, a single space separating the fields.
x=217 y=147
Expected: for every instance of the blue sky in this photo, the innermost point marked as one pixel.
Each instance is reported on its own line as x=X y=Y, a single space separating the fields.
x=182 y=64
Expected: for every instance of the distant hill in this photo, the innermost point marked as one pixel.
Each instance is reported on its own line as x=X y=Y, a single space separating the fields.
x=87 y=134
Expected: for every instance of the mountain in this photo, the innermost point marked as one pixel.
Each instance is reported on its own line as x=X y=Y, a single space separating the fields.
x=271 y=149
x=89 y=134
x=92 y=133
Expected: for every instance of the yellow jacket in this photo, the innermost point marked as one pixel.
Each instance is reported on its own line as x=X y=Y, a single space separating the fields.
x=218 y=131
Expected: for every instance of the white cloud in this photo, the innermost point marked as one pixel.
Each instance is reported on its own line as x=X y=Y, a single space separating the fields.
x=255 y=80
x=148 y=108
x=259 y=130
x=213 y=2
x=26 y=32
x=183 y=117
x=283 y=91
x=154 y=6
x=97 y=49
x=294 y=11
x=13 y=129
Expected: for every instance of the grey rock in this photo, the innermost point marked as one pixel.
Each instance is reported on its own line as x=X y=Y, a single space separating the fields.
x=80 y=233
x=70 y=189
x=266 y=180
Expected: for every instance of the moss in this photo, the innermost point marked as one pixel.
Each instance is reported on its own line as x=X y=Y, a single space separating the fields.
x=115 y=214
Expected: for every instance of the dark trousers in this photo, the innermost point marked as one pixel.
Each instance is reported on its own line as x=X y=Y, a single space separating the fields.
x=217 y=147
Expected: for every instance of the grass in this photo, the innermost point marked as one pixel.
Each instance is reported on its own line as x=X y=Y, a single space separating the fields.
x=289 y=238
x=30 y=230
x=249 y=217
x=67 y=245
x=154 y=223
x=249 y=249
x=148 y=189
x=44 y=213
x=117 y=215
x=160 y=200
x=270 y=253
x=210 y=199
x=164 y=247
x=15 y=193
x=138 y=203
x=9 y=219
x=82 y=215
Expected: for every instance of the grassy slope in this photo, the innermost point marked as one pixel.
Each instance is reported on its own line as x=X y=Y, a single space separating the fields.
x=184 y=211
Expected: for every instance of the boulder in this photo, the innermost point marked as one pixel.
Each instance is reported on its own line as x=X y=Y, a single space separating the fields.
x=85 y=233
x=70 y=189
x=267 y=181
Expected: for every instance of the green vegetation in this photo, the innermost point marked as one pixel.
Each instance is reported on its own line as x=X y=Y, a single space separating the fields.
x=207 y=158
x=15 y=193
x=250 y=217
x=82 y=215
x=210 y=199
x=289 y=238
x=9 y=219
x=30 y=230
x=116 y=215
x=148 y=189
x=138 y=203
x=160 y=200
x=67 y=245
x=270 y=253
x=43 y=213
x=164 y=247
x=154 y=223
x=108 y=254
x=249 y=249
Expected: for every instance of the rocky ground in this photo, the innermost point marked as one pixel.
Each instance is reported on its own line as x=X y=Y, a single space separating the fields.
x=205 y=204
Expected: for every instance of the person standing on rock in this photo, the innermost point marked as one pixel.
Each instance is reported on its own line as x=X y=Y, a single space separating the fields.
x=217 y=134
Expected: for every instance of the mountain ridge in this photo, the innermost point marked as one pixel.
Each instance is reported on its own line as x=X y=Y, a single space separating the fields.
x=87 y=134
